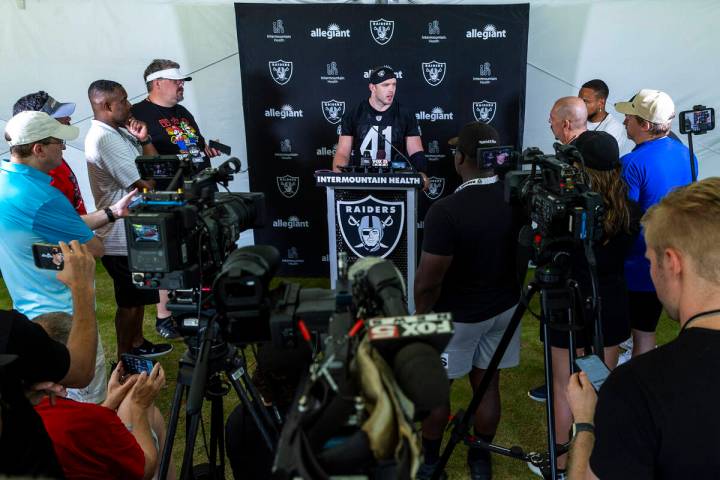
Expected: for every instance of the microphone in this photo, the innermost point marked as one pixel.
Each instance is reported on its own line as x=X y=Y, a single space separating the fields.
x=395 y=149
x=420 y=374
x=378 y=283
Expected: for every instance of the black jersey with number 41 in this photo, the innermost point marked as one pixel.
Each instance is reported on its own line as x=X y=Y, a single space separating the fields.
x=372 y=131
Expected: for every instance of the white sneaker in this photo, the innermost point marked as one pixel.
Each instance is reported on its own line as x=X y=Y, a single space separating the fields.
x=561 y=474
x=627 y=345
x=624 y=357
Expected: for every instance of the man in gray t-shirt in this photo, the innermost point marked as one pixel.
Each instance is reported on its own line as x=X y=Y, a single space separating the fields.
x=111 y=146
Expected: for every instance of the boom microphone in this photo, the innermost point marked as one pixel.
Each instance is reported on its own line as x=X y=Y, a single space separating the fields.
x=377 y=284
x=395 y=149
x=420 y=374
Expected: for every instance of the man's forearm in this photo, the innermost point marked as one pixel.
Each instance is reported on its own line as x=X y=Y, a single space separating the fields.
x=425 y=298
x=95 y=219
x=83 y=338
x=579 y=461
x=340 y=161
x=136 y=419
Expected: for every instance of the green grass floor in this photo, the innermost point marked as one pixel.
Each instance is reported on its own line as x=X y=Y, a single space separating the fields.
x=522 y=422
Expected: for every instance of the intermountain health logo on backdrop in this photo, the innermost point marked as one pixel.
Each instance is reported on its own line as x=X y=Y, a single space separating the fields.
x=278 y=34
x=382 y=30
x=281 y=71
x=293 y=257
x=370 y=226
x=333 y=74
x=436 y=187
x=484 y=111
x=333 y=31
x=286 y=152
x=487 y=32
x=333 y=110
x=433 y=151
x=286 y=111
x=485 y=76
x=433 y=33
x=288 y=185
x=433 y=72
x=436 y=114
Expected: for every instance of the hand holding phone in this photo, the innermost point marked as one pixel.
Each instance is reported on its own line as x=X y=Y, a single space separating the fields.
x=221 y=147
x=48 y=256
x=594 y=368
x=136 y=364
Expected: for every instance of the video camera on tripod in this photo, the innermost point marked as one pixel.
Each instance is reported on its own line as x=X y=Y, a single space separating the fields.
x=179 y=239
x=558 y=199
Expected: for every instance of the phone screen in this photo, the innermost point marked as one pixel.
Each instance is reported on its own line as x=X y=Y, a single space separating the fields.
x=697 y=121
x=595 y=369
x=48 y=256
x=136 y=364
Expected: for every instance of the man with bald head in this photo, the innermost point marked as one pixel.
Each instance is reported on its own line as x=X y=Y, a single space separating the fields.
x=113 y=142
x=568 y=119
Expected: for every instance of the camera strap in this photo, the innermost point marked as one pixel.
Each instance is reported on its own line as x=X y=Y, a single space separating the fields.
x=478 y=181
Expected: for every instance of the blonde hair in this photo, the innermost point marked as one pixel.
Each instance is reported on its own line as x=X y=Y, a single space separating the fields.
x=688 y=220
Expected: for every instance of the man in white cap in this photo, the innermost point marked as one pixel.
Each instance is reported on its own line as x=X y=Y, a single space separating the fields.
x=63 y=178
x=36 y=212
x=173 y=130
x=656 y=165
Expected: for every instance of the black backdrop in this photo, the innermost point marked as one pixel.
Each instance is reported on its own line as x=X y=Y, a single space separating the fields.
x=303 y=65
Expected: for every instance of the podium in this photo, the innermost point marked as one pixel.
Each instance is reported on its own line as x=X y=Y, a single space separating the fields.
x=373 y=215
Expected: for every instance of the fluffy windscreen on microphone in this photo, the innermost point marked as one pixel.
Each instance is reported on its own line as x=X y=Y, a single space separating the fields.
x=378 y=281
x=420 y=374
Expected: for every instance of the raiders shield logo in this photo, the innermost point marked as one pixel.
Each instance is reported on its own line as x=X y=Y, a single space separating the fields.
x=437 y=185
x=288 y=185
x=371 y=227
x=281 y=71
x=433 y=72
x=333 y=110
x=484 y=111
x=382 y=30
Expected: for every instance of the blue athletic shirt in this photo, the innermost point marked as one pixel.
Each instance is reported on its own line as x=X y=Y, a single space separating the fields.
x=32 y=211
x=651 y=170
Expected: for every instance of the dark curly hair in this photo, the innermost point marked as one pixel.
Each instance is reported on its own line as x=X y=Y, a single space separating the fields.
x=30 y=102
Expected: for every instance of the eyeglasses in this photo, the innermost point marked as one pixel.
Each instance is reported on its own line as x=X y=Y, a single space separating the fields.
x=53 y=141
x=176 y=82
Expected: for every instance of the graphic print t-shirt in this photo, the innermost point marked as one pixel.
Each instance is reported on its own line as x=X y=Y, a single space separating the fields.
x=173 y=129
x=373 y=131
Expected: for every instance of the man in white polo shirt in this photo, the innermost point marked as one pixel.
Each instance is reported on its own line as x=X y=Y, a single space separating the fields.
x=111 y=146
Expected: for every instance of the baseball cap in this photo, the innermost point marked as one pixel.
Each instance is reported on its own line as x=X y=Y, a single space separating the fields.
x=475 y=135
x=168 y=74
x=381 y=74
x=598 y=149
x=29 y=127
x=57 y=109
x=651 y=105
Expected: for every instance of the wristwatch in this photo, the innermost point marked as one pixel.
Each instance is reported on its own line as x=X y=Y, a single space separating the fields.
x=582 y=427
x=110 y=216
x=147 y=141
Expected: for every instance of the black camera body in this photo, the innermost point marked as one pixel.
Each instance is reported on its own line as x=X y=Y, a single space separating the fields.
x=557 y=199
x=178 y=238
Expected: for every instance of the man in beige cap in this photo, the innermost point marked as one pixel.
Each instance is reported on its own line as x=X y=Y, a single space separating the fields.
x=656 y=165
x=36 y=212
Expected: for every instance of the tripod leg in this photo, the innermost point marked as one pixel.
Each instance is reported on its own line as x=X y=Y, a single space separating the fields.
x=166 y=458
x=192 y=421
x=217 y=435
x=461 y=429
x=270 y=441
x=550 y=403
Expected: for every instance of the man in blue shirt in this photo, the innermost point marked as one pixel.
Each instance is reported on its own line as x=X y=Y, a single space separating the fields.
x=35 y=212
x=655 y=166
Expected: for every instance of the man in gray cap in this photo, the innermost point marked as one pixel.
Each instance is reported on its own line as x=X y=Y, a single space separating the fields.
x=63 y=178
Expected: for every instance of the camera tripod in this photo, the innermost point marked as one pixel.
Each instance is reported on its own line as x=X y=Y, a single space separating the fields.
x=557 y=295
x=200 y=375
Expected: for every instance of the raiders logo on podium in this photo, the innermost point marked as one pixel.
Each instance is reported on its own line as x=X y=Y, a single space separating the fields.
x=371 y=227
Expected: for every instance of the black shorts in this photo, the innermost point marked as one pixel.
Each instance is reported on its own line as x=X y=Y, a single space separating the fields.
x=126 y=293
x=645 y=310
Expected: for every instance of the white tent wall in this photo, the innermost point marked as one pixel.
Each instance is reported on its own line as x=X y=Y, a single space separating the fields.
x=61 y=46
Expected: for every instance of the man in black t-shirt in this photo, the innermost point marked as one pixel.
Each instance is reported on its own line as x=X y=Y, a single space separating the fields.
x=173 y=131
x=44 y=366
x=172 y=127
x=467 y=267
x=657 y=415
x=368 y=130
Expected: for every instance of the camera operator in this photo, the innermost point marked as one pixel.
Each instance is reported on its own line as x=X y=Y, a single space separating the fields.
x=620 y=227
x=656 y=415
x=45 y=366
x=467 y=268
x=112 y=143
x=655 y=166
x=568 y=120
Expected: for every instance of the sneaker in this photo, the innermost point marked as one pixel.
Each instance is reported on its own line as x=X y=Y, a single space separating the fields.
x=624 y=357
x=561 y=474
x=539 y=394
x=166 y=328
x=426 y=470
x=627 y=345
x=151 y=350
x=480 y=469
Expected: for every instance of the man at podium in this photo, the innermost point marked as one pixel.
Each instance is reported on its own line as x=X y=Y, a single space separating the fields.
x=379 y=132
